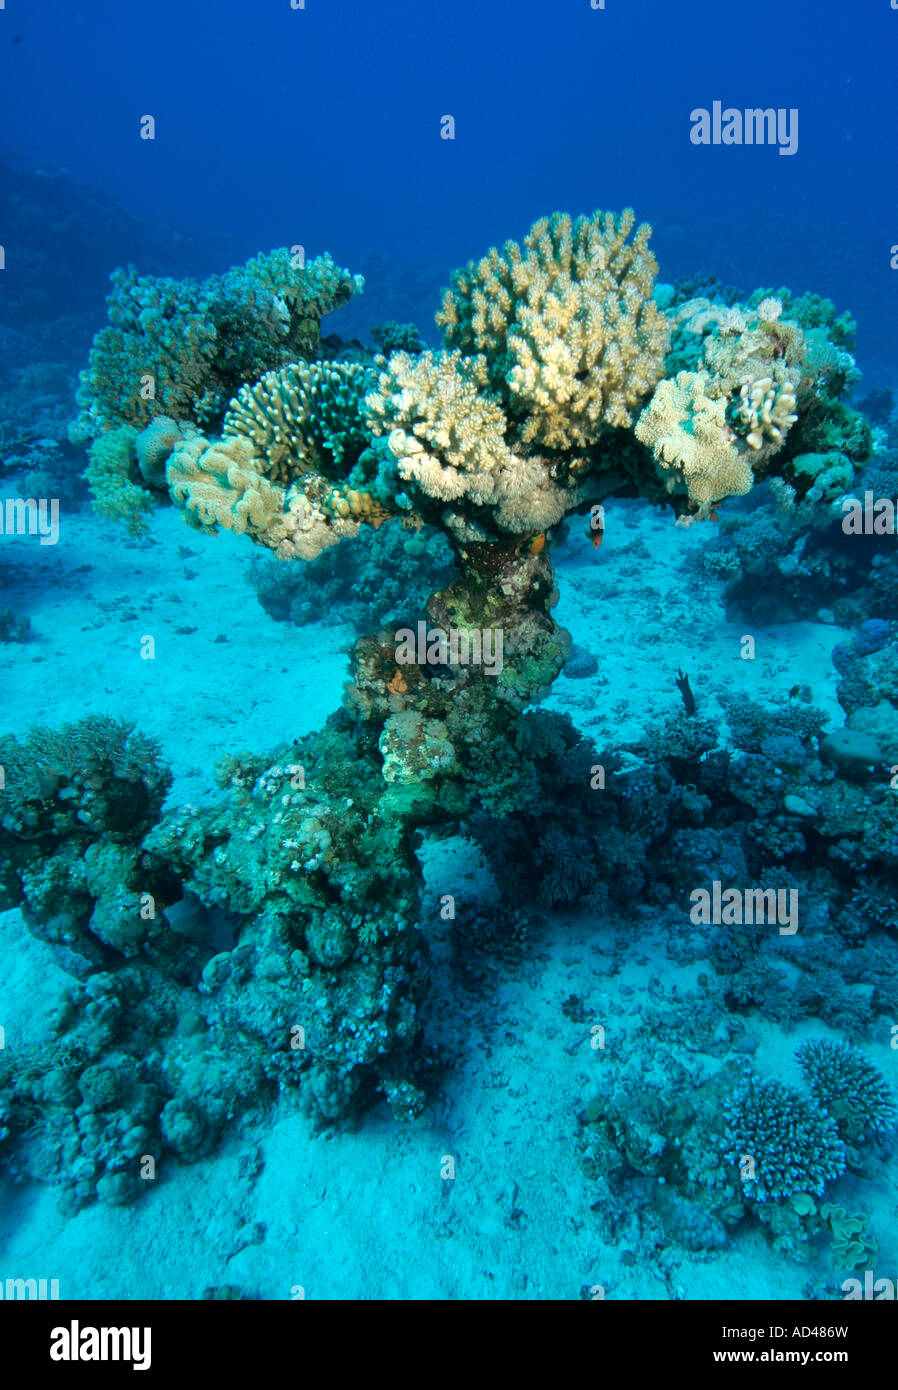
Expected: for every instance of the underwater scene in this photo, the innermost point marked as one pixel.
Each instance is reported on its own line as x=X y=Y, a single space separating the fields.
x=448 y=651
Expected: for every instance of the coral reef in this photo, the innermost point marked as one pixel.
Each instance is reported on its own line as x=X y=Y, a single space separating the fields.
x=382 y=578
x=564 y=379
x=76 y=803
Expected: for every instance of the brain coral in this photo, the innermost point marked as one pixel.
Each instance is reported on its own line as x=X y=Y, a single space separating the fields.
x=572 y=338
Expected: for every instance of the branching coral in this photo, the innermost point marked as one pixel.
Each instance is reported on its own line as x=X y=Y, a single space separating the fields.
x=112 y=476
x=572 y=338
x=848 y=1087
x=783 y=1144
x=306 y=418
x=448 y=439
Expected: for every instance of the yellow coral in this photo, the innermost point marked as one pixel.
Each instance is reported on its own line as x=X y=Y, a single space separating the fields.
x=572 y=338
x=223 y=484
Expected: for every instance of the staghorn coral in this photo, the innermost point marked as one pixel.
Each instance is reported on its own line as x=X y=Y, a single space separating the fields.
x=306 y=418
x=572 y=338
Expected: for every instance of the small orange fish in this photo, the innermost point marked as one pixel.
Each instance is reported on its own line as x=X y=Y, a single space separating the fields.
x=597 y=536
x=397 y=685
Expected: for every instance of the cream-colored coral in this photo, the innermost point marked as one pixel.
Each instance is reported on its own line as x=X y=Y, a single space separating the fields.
x=154 y=444
x=449 y=442
x=696 y=450
x=223 y=483
x=220 y=484
x=572 y=339
x=770 y=309
x=766 y=410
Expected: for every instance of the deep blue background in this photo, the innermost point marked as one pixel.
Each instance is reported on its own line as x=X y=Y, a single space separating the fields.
x=321 y=126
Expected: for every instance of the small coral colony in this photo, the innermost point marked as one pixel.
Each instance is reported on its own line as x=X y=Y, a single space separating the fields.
x=566 y=378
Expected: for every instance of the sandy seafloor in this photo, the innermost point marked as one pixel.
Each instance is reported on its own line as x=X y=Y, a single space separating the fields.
x=364 y=1213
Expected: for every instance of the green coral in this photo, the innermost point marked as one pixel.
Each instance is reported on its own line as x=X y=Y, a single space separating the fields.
x=306 y=418
x=114 y=480
x=182 y=348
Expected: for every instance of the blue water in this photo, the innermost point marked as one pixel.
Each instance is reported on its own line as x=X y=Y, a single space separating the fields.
x=534 y=1162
